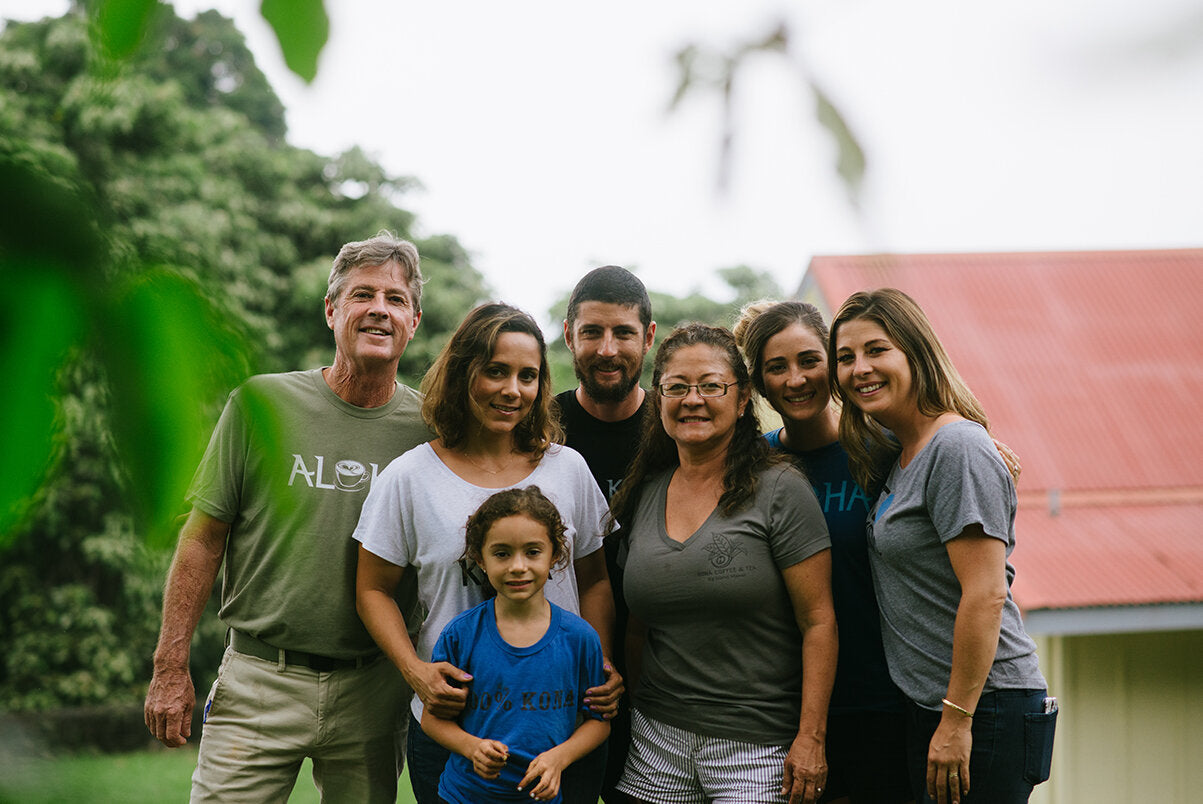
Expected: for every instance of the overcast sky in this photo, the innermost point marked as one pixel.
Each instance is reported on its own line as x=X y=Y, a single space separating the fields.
x=541 y=134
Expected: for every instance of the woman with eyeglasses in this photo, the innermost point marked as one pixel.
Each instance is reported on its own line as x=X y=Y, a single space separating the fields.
x=732 y=639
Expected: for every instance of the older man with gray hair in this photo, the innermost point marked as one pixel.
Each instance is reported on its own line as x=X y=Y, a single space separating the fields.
x=276 y=496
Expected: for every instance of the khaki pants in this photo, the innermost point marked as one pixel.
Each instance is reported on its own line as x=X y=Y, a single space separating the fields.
x=262 y=721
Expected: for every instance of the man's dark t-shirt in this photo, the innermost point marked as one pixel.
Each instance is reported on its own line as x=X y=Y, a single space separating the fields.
x=608 y=449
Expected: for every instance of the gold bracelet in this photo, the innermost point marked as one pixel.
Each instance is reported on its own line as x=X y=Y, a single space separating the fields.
x=954 y=707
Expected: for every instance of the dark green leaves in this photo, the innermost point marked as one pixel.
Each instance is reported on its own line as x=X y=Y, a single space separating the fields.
x=166 y=352
x=302 y=28
x=47 y=251
x=40 y=326
x=121 y=25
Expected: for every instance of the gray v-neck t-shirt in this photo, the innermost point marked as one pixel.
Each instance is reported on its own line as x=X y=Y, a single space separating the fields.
x=958 y=479
x=723 y=655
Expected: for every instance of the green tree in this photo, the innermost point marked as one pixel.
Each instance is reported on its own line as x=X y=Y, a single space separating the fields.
x=163 y=241
x=210 y=61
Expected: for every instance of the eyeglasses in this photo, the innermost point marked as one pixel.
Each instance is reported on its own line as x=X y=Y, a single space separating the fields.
x=676 y=390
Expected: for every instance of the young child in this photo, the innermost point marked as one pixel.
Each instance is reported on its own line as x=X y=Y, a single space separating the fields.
x=530 y=662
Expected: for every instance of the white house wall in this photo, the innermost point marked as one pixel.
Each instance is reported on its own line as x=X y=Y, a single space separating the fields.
x=1131 y=722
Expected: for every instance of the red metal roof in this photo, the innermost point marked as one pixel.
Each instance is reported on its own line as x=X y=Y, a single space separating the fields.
x=1109 y=555
x=1090 y=365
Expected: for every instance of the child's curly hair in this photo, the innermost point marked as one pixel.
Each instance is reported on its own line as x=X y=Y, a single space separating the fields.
x=530 y=502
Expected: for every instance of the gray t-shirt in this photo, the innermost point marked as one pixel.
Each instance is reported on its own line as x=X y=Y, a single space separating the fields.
x=958 y=479
x=289 y=466
x=723 y=655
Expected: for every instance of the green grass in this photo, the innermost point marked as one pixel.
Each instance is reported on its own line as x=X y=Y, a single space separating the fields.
x=145 y=777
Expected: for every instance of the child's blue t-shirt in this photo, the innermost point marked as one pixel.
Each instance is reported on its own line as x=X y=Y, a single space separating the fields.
x=527 y=698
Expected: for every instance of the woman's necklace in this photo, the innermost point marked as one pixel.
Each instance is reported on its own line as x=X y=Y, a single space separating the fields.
x=509 y=461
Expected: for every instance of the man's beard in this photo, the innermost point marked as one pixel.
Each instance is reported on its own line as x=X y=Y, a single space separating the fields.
x=616 y=392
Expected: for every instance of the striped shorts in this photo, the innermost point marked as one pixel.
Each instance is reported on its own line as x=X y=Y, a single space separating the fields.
x=667 y=765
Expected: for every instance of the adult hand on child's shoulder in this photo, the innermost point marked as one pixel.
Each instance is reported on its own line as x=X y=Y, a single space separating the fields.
x=439 y=686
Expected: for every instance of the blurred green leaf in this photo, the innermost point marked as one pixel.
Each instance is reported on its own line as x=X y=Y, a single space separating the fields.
x=302 y=28
x=851 y=162
x=167 y=352
x=47 y=250
x=122 y=25
x=686 y=58
x=714 y=69
x=39 y=330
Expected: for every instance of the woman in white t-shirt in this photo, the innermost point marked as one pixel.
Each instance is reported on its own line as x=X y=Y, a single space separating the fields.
x=488 y=399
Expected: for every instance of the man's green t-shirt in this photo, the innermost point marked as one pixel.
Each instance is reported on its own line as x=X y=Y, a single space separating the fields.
x=288 y=466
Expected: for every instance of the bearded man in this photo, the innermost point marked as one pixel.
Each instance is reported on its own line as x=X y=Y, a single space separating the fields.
x=609 y=330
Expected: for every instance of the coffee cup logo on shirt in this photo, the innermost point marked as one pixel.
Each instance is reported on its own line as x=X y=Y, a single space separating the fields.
x=350 y=475
x=723 y=551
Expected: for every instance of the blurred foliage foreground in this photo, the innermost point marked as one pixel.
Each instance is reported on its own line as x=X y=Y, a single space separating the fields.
x=159 y=241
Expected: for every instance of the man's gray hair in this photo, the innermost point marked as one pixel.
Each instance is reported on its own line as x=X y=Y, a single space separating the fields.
x=384 y=247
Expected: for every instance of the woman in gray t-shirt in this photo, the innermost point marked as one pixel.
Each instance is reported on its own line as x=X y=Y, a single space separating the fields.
x=939 y=538
x=732 y=643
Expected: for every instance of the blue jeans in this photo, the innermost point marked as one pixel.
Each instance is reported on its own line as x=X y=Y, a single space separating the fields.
x=425 y=759
x=580 y=784
x=1012 y=747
